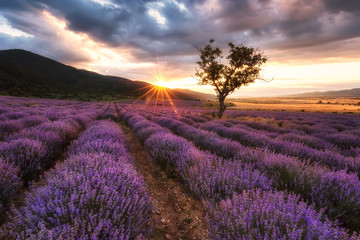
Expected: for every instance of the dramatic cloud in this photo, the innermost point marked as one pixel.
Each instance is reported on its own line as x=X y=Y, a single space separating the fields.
x=146 y=33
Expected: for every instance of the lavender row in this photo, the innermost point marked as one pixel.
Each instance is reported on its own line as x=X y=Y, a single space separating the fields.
x=337 y=191
x=16 y=118
x=341 y=143
x=320 y=139
x=25 y=155
x=275 y=132
x=256 y=214
x=212 y=179
x=111 y=112
x=293 y=145
x=205 y=174
x=333 y=160
x=313 y=183
x=341 y=130
x=344 y=143
x=33 y=148
x=8 y=127
x=95 y=193
x=276 y=121
x=297 y=117
x=323 y=136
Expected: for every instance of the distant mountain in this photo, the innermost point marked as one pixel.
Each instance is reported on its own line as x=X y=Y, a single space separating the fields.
x=193 y=94
x=348 y=93
x=23 y=73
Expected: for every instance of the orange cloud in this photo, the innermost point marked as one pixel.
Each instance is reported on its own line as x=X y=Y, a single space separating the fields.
x=103 y=59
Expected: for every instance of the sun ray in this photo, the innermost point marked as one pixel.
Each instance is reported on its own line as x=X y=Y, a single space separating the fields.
x=172 y=105
x=156 y=100
x=153 y=88
x=162 y=96
x=159 y=94
x=152 y=95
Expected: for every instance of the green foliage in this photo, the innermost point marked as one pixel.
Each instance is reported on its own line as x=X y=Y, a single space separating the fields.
x=15 y=91
x=243 y=68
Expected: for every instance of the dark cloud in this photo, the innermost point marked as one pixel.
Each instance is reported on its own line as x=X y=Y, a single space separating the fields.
x=336 y=6
x=272 y=24
x=109 y=24
x=43 y=47
x=15 y=5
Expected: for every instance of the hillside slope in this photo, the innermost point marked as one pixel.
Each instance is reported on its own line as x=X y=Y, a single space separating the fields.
x=348 y=93
x=23 y=73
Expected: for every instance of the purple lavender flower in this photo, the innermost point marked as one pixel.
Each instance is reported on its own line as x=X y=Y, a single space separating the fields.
x=9 y=183
x=93 y=203
x=52 y=140
x=339 y=193
x=15 y=115
x=53 y=116
x=33 y=120
x=344 y=141
x=29 y=155
x=91 y=195
x=9 y=126
x=100 y=146
x=218 y=179
x=257 y=214
x=67 y=131
x=170 y=151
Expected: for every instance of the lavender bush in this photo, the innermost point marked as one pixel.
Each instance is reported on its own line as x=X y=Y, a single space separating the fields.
x=344 y=141
x=9 y=183
x=219 y=179
x=326 y=157
x=67 y=131
x=91 y=195
x=9 y=126
x=29 y=155
x=97 y=199
x=97 y=146
x=173 y=153
x=52 y=140
x=33 y=120
x=339 y=193
x=257 y=214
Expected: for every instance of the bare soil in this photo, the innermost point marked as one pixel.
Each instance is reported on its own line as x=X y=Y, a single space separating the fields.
x=178 y=214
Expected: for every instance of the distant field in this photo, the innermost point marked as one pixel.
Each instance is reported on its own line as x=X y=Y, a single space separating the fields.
x=327 y=105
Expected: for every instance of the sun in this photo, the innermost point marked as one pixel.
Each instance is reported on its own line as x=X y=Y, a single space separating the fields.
x=161 y=83
x=160 y=92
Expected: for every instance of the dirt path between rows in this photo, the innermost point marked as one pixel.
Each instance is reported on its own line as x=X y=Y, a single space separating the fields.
x=178 y=215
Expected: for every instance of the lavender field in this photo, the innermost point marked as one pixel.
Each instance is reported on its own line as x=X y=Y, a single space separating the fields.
x=66 y=171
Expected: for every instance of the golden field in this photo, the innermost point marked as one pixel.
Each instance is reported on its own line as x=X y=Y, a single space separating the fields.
x=326 y=105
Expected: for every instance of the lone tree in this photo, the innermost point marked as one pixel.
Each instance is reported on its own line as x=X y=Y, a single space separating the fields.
x=244 y=67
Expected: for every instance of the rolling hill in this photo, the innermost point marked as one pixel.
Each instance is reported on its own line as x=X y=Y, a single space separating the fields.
x=348 y=93
x=23 y=73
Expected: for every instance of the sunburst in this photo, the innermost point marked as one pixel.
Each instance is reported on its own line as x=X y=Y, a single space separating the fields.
x=160 y=91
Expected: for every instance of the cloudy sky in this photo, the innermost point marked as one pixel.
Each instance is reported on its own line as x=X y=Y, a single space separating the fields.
x=311 y=44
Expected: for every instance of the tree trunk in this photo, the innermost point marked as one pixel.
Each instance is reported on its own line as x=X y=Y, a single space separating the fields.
x=222 y=108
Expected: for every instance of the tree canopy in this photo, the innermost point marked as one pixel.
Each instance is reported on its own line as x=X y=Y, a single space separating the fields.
x=243 y=67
